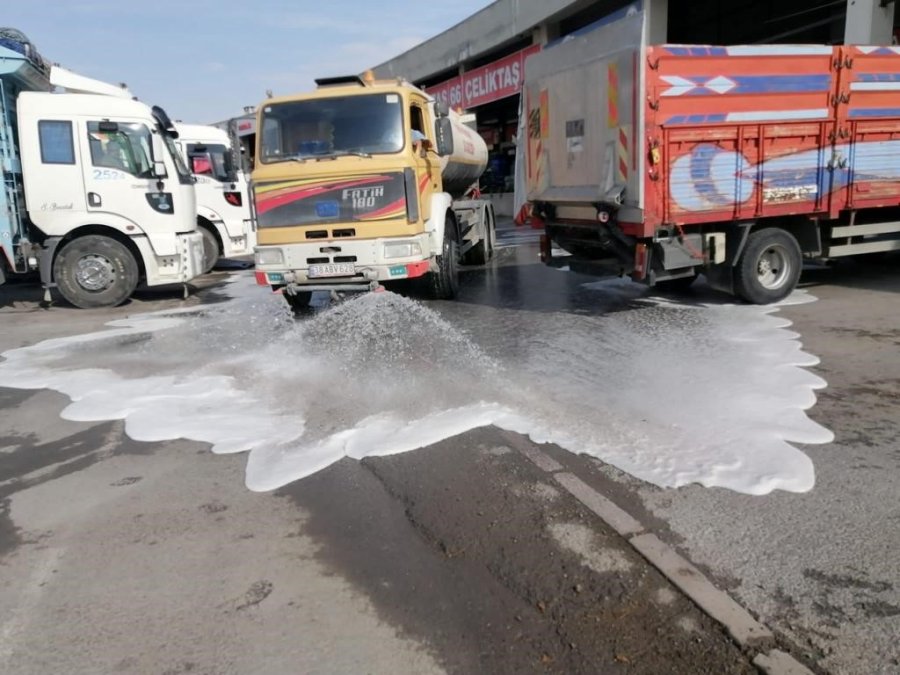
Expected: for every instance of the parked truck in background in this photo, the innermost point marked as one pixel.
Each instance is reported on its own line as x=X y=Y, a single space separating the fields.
x=739 y=162
x=363 y=182
x=221 y=189
x=95 y=195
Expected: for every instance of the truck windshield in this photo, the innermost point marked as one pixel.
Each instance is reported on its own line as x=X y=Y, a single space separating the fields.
x=209 y=159
x=320 y=128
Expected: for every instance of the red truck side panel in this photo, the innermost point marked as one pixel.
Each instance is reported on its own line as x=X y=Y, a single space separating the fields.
x=868 y=144
x=769 y=130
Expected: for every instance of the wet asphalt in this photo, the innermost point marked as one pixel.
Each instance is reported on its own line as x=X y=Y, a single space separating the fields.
x=461 y=557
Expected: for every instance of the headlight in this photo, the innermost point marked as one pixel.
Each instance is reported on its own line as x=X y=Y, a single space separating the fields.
x=402 y=249
x=269 y=256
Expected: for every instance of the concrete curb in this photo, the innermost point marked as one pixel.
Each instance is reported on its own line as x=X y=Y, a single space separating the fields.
x=715 y=603
x=615 y=517
x=776 y=662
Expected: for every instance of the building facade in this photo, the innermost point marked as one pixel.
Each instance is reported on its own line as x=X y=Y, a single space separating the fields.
x=478 y=65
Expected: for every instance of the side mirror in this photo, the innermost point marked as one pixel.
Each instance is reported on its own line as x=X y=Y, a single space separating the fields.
x=231 y=175
x=441 y=109
x=159 y=151
x=443 y=135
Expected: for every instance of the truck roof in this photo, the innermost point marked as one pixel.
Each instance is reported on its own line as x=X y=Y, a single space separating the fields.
x=94 y=105
x=360 y=88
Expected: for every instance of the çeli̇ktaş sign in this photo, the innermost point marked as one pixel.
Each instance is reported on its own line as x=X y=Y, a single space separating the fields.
x=488 y=83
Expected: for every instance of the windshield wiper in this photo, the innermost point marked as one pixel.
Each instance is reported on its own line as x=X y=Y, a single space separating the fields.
x=341 y=153
x=291 y=158
x=319 y=157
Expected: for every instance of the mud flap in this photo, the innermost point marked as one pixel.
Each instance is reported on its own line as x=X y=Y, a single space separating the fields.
x=720 y=277
x=48 y=252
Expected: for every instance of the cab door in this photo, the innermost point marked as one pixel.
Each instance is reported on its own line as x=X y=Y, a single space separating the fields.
x=427 y=162
x=120 y=183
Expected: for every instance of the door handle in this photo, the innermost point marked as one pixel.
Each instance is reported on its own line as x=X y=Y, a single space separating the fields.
x=94 y=199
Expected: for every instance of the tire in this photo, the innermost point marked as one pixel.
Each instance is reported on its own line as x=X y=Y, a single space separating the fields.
x=483 y=251
x=210 y=250
x=298 y=302
x=444 y=284
x=769 y=268
x=95 y=271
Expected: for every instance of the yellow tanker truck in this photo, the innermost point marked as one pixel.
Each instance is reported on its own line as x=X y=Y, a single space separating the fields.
x=362 y=182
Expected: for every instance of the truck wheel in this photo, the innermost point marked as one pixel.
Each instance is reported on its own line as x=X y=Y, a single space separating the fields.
x=445 y=282
x=298 y=302
x=483 y=251
x=95 y=271
x=769 y=268
x=210 y=250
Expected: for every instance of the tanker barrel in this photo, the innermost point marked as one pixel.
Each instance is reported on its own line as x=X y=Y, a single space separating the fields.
x=464 y=166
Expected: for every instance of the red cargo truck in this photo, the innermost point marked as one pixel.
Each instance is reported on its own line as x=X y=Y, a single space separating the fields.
x=667 y=161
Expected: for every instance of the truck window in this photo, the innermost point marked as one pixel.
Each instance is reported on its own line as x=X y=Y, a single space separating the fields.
x=416 y=121
x=128 y=149
x=209 y=159
x=57 y=145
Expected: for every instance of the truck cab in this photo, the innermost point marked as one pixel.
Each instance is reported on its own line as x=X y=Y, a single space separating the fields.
x=223 y=202
x=97 y=196
x=359 y=183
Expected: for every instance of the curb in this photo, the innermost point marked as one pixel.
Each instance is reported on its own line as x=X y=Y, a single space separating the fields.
x=715 y=603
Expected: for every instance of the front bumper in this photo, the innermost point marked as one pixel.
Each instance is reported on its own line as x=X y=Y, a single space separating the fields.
x=171 y=269
x=370 y=266
x=238 y=238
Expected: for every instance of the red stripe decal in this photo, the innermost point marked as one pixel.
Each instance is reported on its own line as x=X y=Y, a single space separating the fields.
x=386 y=210
x=265 y=204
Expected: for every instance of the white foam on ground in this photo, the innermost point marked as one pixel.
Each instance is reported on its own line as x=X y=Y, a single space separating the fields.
x=671 y=393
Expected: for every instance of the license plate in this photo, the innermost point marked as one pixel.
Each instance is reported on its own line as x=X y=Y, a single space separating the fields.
x=333 y=270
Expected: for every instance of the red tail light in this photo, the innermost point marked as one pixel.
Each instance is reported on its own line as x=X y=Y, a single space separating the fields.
x=261 y=279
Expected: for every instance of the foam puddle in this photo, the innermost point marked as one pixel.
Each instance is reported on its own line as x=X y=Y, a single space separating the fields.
x=672 y=394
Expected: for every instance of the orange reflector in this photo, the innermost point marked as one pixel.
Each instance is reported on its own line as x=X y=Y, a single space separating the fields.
x=418 y=269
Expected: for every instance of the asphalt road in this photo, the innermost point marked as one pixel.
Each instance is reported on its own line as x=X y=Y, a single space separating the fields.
x=121 y=556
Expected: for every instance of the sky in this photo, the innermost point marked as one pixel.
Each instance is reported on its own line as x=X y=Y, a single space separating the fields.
x=204 y=60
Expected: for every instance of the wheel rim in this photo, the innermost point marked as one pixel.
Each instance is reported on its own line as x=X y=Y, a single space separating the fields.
x=773 y=268
x=95 y=273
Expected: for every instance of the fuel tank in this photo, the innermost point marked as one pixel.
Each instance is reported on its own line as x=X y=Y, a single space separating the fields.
x=467 y=162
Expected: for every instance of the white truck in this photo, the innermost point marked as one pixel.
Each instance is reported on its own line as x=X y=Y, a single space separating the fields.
x=223 y=202
x=94 y=194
